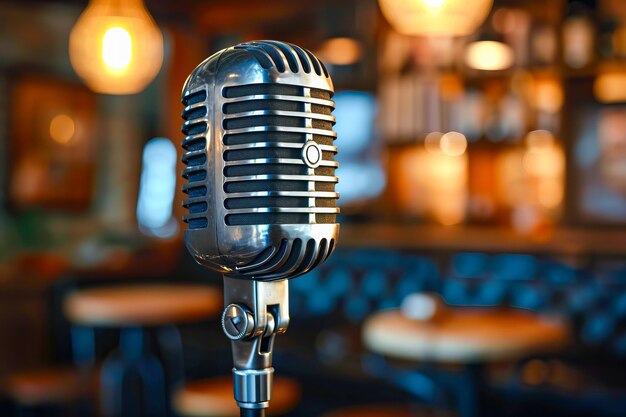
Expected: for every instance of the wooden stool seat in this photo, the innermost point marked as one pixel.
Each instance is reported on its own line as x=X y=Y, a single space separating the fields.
x=385 y=410
x=142 y=305
x=50 y=386
x=214 y=398
x=464 y=335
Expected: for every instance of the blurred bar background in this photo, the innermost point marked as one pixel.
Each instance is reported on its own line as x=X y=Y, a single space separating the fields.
x=482 y=152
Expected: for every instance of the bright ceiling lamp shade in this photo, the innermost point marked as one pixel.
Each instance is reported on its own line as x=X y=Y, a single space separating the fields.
x=116 y=47
x=489 y=55
x=435 y=17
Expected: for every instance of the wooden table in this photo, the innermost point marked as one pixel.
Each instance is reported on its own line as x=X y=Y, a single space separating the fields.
x=464 y=335
x=134 y=309
x=142 y=305
x=428 y=332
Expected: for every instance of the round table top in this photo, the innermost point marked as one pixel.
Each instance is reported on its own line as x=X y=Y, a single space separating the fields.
x=142 y=305
x=214 y=397
x=464 y=335
x=48 y=386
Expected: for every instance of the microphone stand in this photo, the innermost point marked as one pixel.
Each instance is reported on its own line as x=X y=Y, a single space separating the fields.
x=255 y=312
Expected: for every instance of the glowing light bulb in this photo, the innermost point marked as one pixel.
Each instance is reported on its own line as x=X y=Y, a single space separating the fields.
x=435 y=17
x=434 y=3
x=116 y=47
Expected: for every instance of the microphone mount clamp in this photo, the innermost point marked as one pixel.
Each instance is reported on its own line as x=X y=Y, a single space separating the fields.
x=255 y=312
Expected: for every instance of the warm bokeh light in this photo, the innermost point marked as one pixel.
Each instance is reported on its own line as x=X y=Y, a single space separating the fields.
x=543 y=158
x=453 y=144
x=432 y=142
x=438 y=183
x=116 y=47
x=545 y=163
x=548 y=95
x=435 y=17
x=447 y=187
x=489 y=55
x=538 y=140
x=507 y=20
x=531 y=181
x=610 y=84
x=578 y=41
x=619 y=41
x=62 y=128
x=550 y=193
x=340 y=51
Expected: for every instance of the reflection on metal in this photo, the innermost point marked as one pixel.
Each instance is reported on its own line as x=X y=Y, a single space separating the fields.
x=238 y=179
x=255 y=313
x=261 y=190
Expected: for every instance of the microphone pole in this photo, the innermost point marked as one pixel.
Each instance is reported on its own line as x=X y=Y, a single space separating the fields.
x=259 y=149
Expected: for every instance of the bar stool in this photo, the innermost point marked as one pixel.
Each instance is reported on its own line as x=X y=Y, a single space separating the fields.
x=214 y=398
x=428 y=332
x=134 y=310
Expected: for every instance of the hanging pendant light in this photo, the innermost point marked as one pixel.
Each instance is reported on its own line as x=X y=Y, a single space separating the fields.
x=116 y=47
x=435 y=17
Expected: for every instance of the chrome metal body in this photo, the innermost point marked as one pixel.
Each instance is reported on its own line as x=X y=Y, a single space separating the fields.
x=279 y=91
x=267 y=304
x=234 y=250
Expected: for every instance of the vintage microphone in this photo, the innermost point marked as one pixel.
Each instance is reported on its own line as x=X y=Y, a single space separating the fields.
x=261 y=191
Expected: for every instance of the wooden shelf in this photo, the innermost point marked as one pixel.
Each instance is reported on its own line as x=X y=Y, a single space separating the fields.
x=578 y=242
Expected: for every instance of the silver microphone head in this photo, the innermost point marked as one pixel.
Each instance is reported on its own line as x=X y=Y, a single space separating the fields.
x=261 y=185
x=260 y=161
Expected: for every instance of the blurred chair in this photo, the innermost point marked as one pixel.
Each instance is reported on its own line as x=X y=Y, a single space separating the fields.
x=352 y=283
x=133 y=378
x=214 y=398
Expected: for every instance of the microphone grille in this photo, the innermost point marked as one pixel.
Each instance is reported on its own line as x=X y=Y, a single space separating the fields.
x=260 y=156
x=284 y=56
x=268 y=129
x=195 y=128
